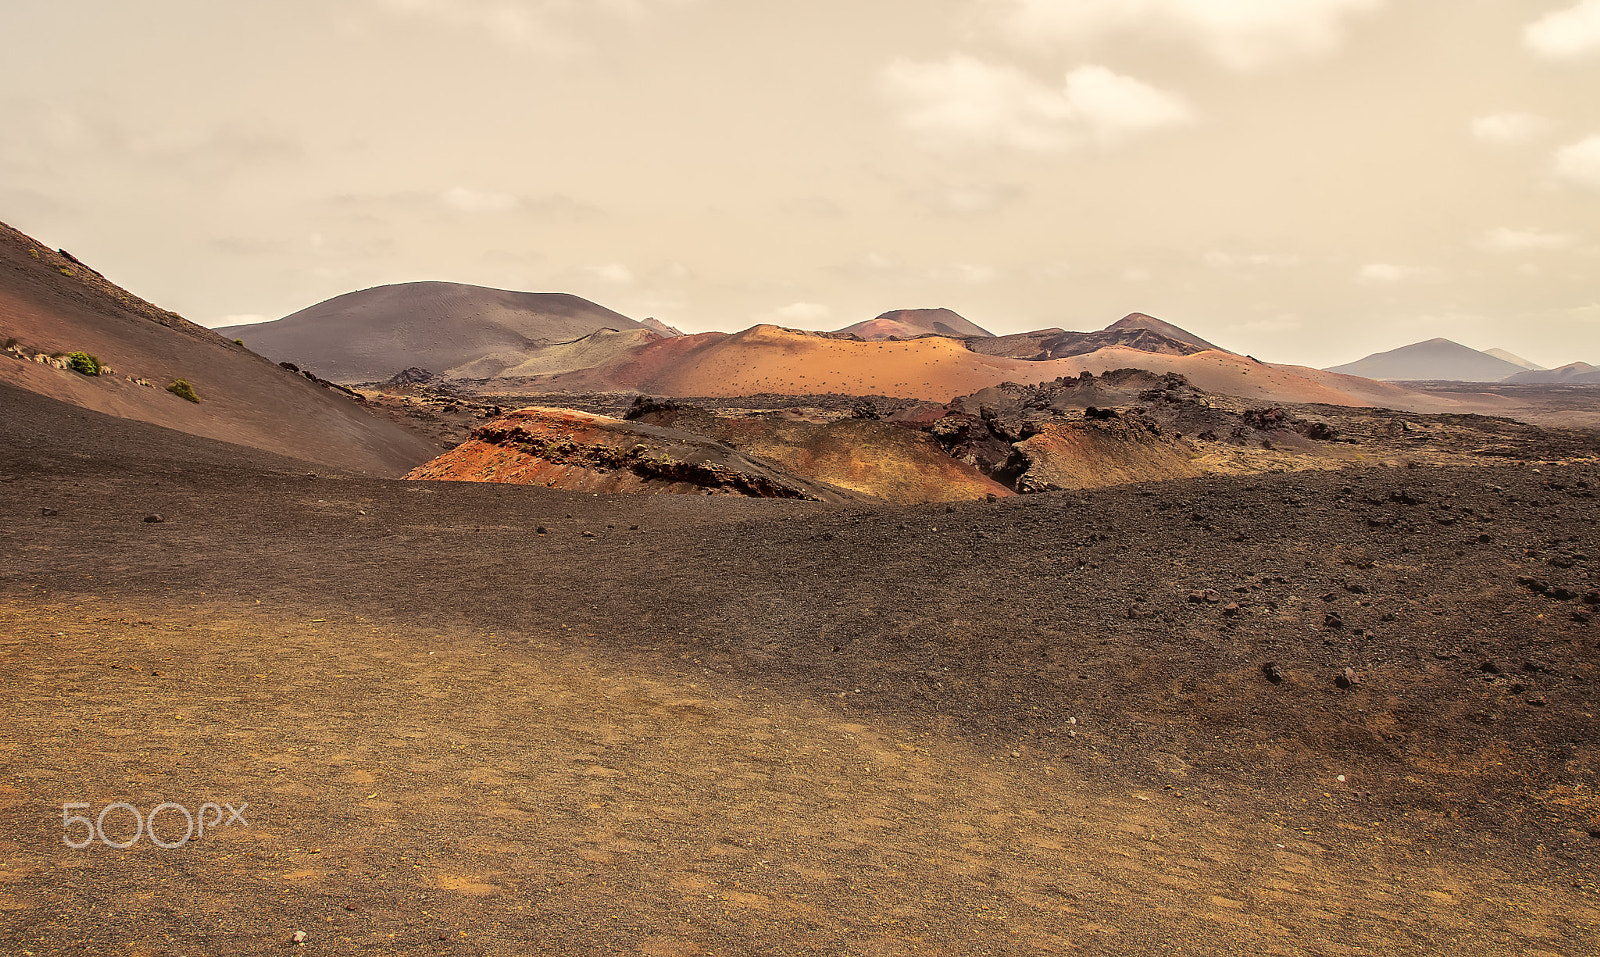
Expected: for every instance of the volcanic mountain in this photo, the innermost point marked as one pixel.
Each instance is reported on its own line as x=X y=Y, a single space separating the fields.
x=1060 y=344
x=770 y=359
x=1573 y=373
x=910 y=323
x=1138 y=320
x=51 y=304
x=1513 y=358
x=1435 y=359
x=371 y=334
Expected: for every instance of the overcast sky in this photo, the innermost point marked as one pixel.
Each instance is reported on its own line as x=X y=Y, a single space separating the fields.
x=1303 y=180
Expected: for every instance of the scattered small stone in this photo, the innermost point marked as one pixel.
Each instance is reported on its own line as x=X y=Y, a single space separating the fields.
x=1582 y=617
x=298 y=937
x=1537 y=701
x=588 y=534
x=48 y=511
x=1348 y=678
x=1533 y=584
x=1231 y=609
x=1355 y=588
x=1485 y=539
x=154 y=519
x=541 y=530
x=1562 y=594
x=1489 y=668
x=1331 y=596
x=991 y=497
x=1272 y=671
x=633 y=528
x=1332 y=620
x=1208 y=596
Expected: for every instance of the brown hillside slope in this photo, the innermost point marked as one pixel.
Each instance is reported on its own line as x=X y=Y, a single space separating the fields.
x=51 y=303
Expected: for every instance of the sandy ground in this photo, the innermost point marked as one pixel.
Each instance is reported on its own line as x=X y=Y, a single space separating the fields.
x=760 y=727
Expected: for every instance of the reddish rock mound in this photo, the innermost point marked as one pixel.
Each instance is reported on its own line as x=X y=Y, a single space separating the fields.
x=1095 y=451
x=579 y=451
x=861 y=454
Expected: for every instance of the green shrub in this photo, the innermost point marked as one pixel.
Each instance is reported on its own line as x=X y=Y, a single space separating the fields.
x=183 y=390
x=83 y=362
x=238 y=342
x=65 y=270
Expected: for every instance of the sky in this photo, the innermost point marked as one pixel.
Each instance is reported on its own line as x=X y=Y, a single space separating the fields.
x=1305 y=181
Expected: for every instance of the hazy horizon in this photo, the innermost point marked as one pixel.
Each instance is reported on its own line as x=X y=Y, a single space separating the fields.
x=1307 y=182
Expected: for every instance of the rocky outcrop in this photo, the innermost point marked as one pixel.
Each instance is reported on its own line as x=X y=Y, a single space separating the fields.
x=859 y=453
x=566 y=449
x=1096 y=451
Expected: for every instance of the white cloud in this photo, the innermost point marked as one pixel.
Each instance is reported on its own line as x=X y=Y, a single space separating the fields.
x=465 y=200
x=241 y=319
x=1580 y=162
x=1566 y=34
x=1508 y=127
x=1375 y=273
x=615 y=274
x=1506 y=240
x=1240 y=34
x=964 y=101
x=802 y=314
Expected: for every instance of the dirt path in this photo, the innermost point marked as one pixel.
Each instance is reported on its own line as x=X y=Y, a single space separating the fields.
x=426 y=792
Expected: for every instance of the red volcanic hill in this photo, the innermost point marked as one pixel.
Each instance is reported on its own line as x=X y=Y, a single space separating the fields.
x=768 y=358
x=910 y=323
x=52 y=303
x=444 y=327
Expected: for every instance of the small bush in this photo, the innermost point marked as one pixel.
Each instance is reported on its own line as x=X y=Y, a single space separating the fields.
x=83 y=362
x=183 y=390
x=238 y=342
x=65 y=270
